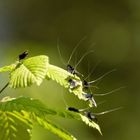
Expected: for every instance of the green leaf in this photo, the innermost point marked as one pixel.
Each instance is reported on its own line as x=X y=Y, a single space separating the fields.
x=14 y=126
x=55 y=129
x=33 y=70
x=8 y=68
x=36 y=107
x=27 y=104
x=30 y=71
x=61 y=76
x=90 y=123
x=81 y=117
x=37 y=112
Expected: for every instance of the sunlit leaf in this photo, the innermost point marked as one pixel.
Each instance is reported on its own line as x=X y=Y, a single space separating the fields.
x=61 y=76
x=81 y=117
x=33 y=70
x=90 y=123
x=8 y=68
x=36 y=107
x=30 y=71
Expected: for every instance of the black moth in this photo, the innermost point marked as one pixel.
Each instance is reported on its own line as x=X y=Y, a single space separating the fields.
x=88 y=114
x=73 y=71
x=73 y=83
x=92 y=116
x=90 y=98
x=23 y=55
x=73 y=109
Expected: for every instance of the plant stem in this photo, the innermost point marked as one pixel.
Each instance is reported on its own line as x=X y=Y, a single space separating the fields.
x=4 y=88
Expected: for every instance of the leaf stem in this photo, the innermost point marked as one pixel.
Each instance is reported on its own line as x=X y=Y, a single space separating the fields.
x=4 y=88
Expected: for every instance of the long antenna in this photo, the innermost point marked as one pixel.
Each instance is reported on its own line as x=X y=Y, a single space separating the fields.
x=4 y=88
x=102 y=76
x=112 y=91
x=101 y=102
x=83 y=58
x=73 y=51
x=108 y=111
x=60 y=56
x=64 y=100
x=94 y=68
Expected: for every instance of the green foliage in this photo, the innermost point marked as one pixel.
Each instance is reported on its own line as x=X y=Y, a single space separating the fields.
x=8 y=68
x=13 y=124
x=17 y=115
x=35 y=69
x=32 y=70
x=22 y=112
x=61 y=76
x=55 y=129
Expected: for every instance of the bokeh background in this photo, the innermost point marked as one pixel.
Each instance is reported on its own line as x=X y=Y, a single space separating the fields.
x=110 y=28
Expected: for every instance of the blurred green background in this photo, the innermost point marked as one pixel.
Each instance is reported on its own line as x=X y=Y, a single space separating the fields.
x=112 y=30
